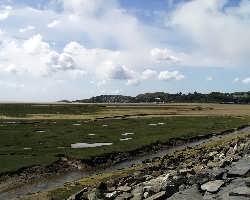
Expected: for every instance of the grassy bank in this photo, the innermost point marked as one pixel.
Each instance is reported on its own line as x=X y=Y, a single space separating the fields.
x=28 y=142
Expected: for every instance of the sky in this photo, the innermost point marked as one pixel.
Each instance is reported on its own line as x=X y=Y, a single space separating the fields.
x=74 y=49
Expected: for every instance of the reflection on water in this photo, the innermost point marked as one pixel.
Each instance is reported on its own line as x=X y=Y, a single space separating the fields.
x=125 y=139
x=88 y=145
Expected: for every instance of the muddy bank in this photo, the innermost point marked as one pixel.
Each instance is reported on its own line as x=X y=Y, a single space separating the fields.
x=29 y=175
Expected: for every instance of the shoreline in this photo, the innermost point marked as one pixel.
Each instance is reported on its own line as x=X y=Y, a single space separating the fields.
x=63 y=166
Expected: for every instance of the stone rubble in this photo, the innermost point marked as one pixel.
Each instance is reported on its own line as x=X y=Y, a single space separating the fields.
x=213 y=172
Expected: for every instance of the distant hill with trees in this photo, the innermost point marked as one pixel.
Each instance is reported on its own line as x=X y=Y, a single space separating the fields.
x=162 y=97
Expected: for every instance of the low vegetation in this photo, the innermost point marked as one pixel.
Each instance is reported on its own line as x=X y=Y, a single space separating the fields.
x=40 y=142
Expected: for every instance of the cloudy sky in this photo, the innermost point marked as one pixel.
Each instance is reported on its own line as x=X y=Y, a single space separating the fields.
x=73 y=49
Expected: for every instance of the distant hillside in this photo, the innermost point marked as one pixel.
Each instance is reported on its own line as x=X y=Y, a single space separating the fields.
x=213 y=97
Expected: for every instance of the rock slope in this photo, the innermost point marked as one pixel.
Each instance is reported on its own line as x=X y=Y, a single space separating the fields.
x=216 y=170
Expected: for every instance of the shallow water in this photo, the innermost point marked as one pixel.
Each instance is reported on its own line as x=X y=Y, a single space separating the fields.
x=59 y=181
x=76 y=124
x=152 y=124
x=125 y=139
x=89 y=145
x=41 y=131
x=125 y=134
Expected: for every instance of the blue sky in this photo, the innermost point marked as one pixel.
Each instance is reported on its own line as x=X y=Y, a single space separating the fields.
x=61 y=49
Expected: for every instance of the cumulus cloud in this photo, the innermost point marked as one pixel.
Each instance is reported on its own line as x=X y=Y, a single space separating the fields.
x=26 y=29
x=34 y=56
x=53 y=23
x=36 y=45
x=117 y=72
x=148 y=74
x=214 y=34
x=168 y=75
x=5 y=11
x=60 y=62
x=160 y=55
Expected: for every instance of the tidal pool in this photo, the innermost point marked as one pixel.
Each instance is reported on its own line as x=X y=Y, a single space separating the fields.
x=40 y=131
x=76 y=124
x=125 y=139
x=124 y=134
x=89 y=145
x=152 y=124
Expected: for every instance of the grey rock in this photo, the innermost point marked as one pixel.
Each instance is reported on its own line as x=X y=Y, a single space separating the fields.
x=157 y=196
x=240 y=191
x=146 y=195
x=216 y=173
x=210 y=196
x=240 y=168
x=247 y=181
x=111 y=195
x=124 y=196
x=182 y=187
x=188 y=194
x=79 y=195
x=155 y=185
x=212 y=186
x=223 y=194
x=93 y=195
x=124 y=188
x=185 y=171
x=137 y=192
x=237 y=198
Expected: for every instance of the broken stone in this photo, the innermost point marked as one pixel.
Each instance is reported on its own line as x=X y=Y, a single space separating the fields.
x=124 y=196
x=188 y=194
x=240 y=168
x=158 y=196
x=247 y=181
x=240 y=191
x=212 y=186
x=124 y=188
x=111 y=195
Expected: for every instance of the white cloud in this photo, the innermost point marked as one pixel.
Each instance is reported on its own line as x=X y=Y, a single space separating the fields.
x=148 y=74
x=5 y=12
x=34 y=56
x=53 y=24
x=213 y=34
x=113 y=44
x=26 y=29
x=160 y=55
x=36 y=45
x=60 y=62
x=117 y=72
x=167 y=75
x=246 y=80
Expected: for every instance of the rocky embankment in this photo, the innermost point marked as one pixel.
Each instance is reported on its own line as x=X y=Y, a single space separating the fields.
x=215 y=170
